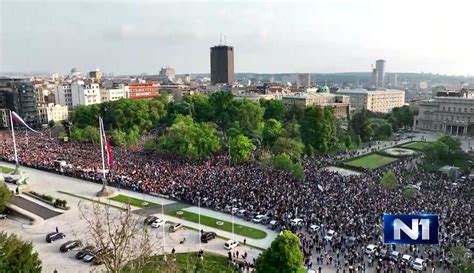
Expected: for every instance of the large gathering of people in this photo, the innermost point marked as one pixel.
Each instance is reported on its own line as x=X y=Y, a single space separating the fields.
x=349 y=205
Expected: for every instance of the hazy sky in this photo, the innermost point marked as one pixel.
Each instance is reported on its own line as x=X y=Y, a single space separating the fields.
x=275 y=36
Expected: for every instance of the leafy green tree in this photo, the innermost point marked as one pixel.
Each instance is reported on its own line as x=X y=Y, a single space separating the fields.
x=289 y=146
x=223 y=109
x=283 y=256
x=91 y=133
x=357 y=140
x=118 y=138
x=361 y=125
x=347 y=141
x=284 y=162
x=86 y=115
x=291 y=129
x=294 y=112
x=271 y=131
x=318 y=128
x=200 y=107
x=5 y=196
x=461 y=260
x=151 y=145
x=389 y=180
x=51 y=124
x=402 y=116
x=249 y=115
x=382 y=129
x=240 y=148
x=444 y=151
x=17 y=255
x=190 y=139
x=274 y=109
x=409 y=193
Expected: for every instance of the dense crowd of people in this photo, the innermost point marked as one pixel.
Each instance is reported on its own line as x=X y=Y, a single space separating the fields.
x=349 y=205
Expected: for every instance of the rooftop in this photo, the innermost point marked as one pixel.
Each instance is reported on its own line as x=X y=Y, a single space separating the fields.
x=365 y=91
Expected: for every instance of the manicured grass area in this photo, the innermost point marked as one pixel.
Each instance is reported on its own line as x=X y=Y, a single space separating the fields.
x=185 y=262
x=245 y=231
x=91 y=200
x=4 y=169
x=418 y=145
x=372 y=161
x=133 y=201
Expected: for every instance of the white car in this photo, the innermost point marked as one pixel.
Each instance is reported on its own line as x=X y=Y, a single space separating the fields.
x=314 y=228
x=297 y=222
x=158 y=223
x=407 y=258
x=230 y=244
x=370 y=249
x=329 y=235
x=258 y=218
x=418 y=264
x=241 y=212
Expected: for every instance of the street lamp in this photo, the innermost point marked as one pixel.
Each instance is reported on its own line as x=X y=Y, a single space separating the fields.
x=199 y=208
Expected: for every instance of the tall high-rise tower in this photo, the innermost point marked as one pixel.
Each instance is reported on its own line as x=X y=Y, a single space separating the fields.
x=380 y=66
x=222 y=64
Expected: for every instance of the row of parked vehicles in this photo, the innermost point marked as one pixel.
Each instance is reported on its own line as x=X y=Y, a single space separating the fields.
x=86 y=254
x=407 y=260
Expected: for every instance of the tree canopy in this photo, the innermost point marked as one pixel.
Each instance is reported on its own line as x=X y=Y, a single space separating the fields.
x=389 y=180
x=17 y=255
x=318 y=128
x=274 y=109
x=240 y=148
x=283 y=256
x=190 y=139
x=444 y=151
x=5 y=196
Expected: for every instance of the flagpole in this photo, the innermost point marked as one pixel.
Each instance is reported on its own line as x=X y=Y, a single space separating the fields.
x=14 y=144
x=104 y=191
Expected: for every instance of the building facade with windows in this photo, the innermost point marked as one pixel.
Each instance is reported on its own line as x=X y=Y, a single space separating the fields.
x=112 y=94
x=63 y=95
x=382 y=101
x=18 y=95
x=85 y=93
x=222 y=64
x=448 y=114
x=49 y=112
x=143 y=90
x=340 y=103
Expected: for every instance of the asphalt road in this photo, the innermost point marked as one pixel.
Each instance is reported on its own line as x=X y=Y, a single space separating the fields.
x=34 y=208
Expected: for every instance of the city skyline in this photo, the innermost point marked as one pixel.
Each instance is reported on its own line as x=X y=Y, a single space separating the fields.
x=122 y=37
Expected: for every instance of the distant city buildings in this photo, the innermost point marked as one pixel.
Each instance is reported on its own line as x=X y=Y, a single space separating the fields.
x=96 y=75
x=340 y=103
x=222 y=64
x=380 y=67
x=304 y=80
x=382 y=101
x=450 y=112
x=113 y=94
x=167 y=74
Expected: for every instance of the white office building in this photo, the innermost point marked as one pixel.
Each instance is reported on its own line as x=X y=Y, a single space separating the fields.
x=85 y=93
x=54 y=112
x=63 y=95
x=112 y=94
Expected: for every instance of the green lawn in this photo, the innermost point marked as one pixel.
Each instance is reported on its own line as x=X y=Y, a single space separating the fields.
x=4 y=169
x=185 y=262
x=245 y=231
x=372 y=161
x=418 y=145
x=133 y=201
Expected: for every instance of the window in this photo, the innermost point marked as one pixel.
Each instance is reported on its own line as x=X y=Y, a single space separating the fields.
x=465 y=110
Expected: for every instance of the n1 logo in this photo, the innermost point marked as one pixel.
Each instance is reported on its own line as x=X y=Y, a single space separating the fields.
x=410 y=229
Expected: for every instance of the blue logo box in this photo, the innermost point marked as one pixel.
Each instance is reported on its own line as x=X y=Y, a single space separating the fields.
x=410 y=229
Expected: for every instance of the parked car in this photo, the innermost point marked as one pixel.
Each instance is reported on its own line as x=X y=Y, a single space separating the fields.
x=231 y=244
x=3 y=216
x=13 y=179
x=272 y=225
x=314 y=228
x=241 y=212
x=259 y=218
x=175 y=227
x=418 y=264
x=249 y=216
x=90 y=256
x=350 y=241
x=297 y=222
x=395 y=256
x=407 y=259
x=69 y=245
x=207 y=236
x=158 y=223
x=266 y=220
x=83 y=252
x=370 y=249
x=329 y=235
x=53 y=236
x=149 y=220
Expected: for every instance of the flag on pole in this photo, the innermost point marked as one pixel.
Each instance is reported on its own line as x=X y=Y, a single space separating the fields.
x=21 y=122
x=106 y=142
